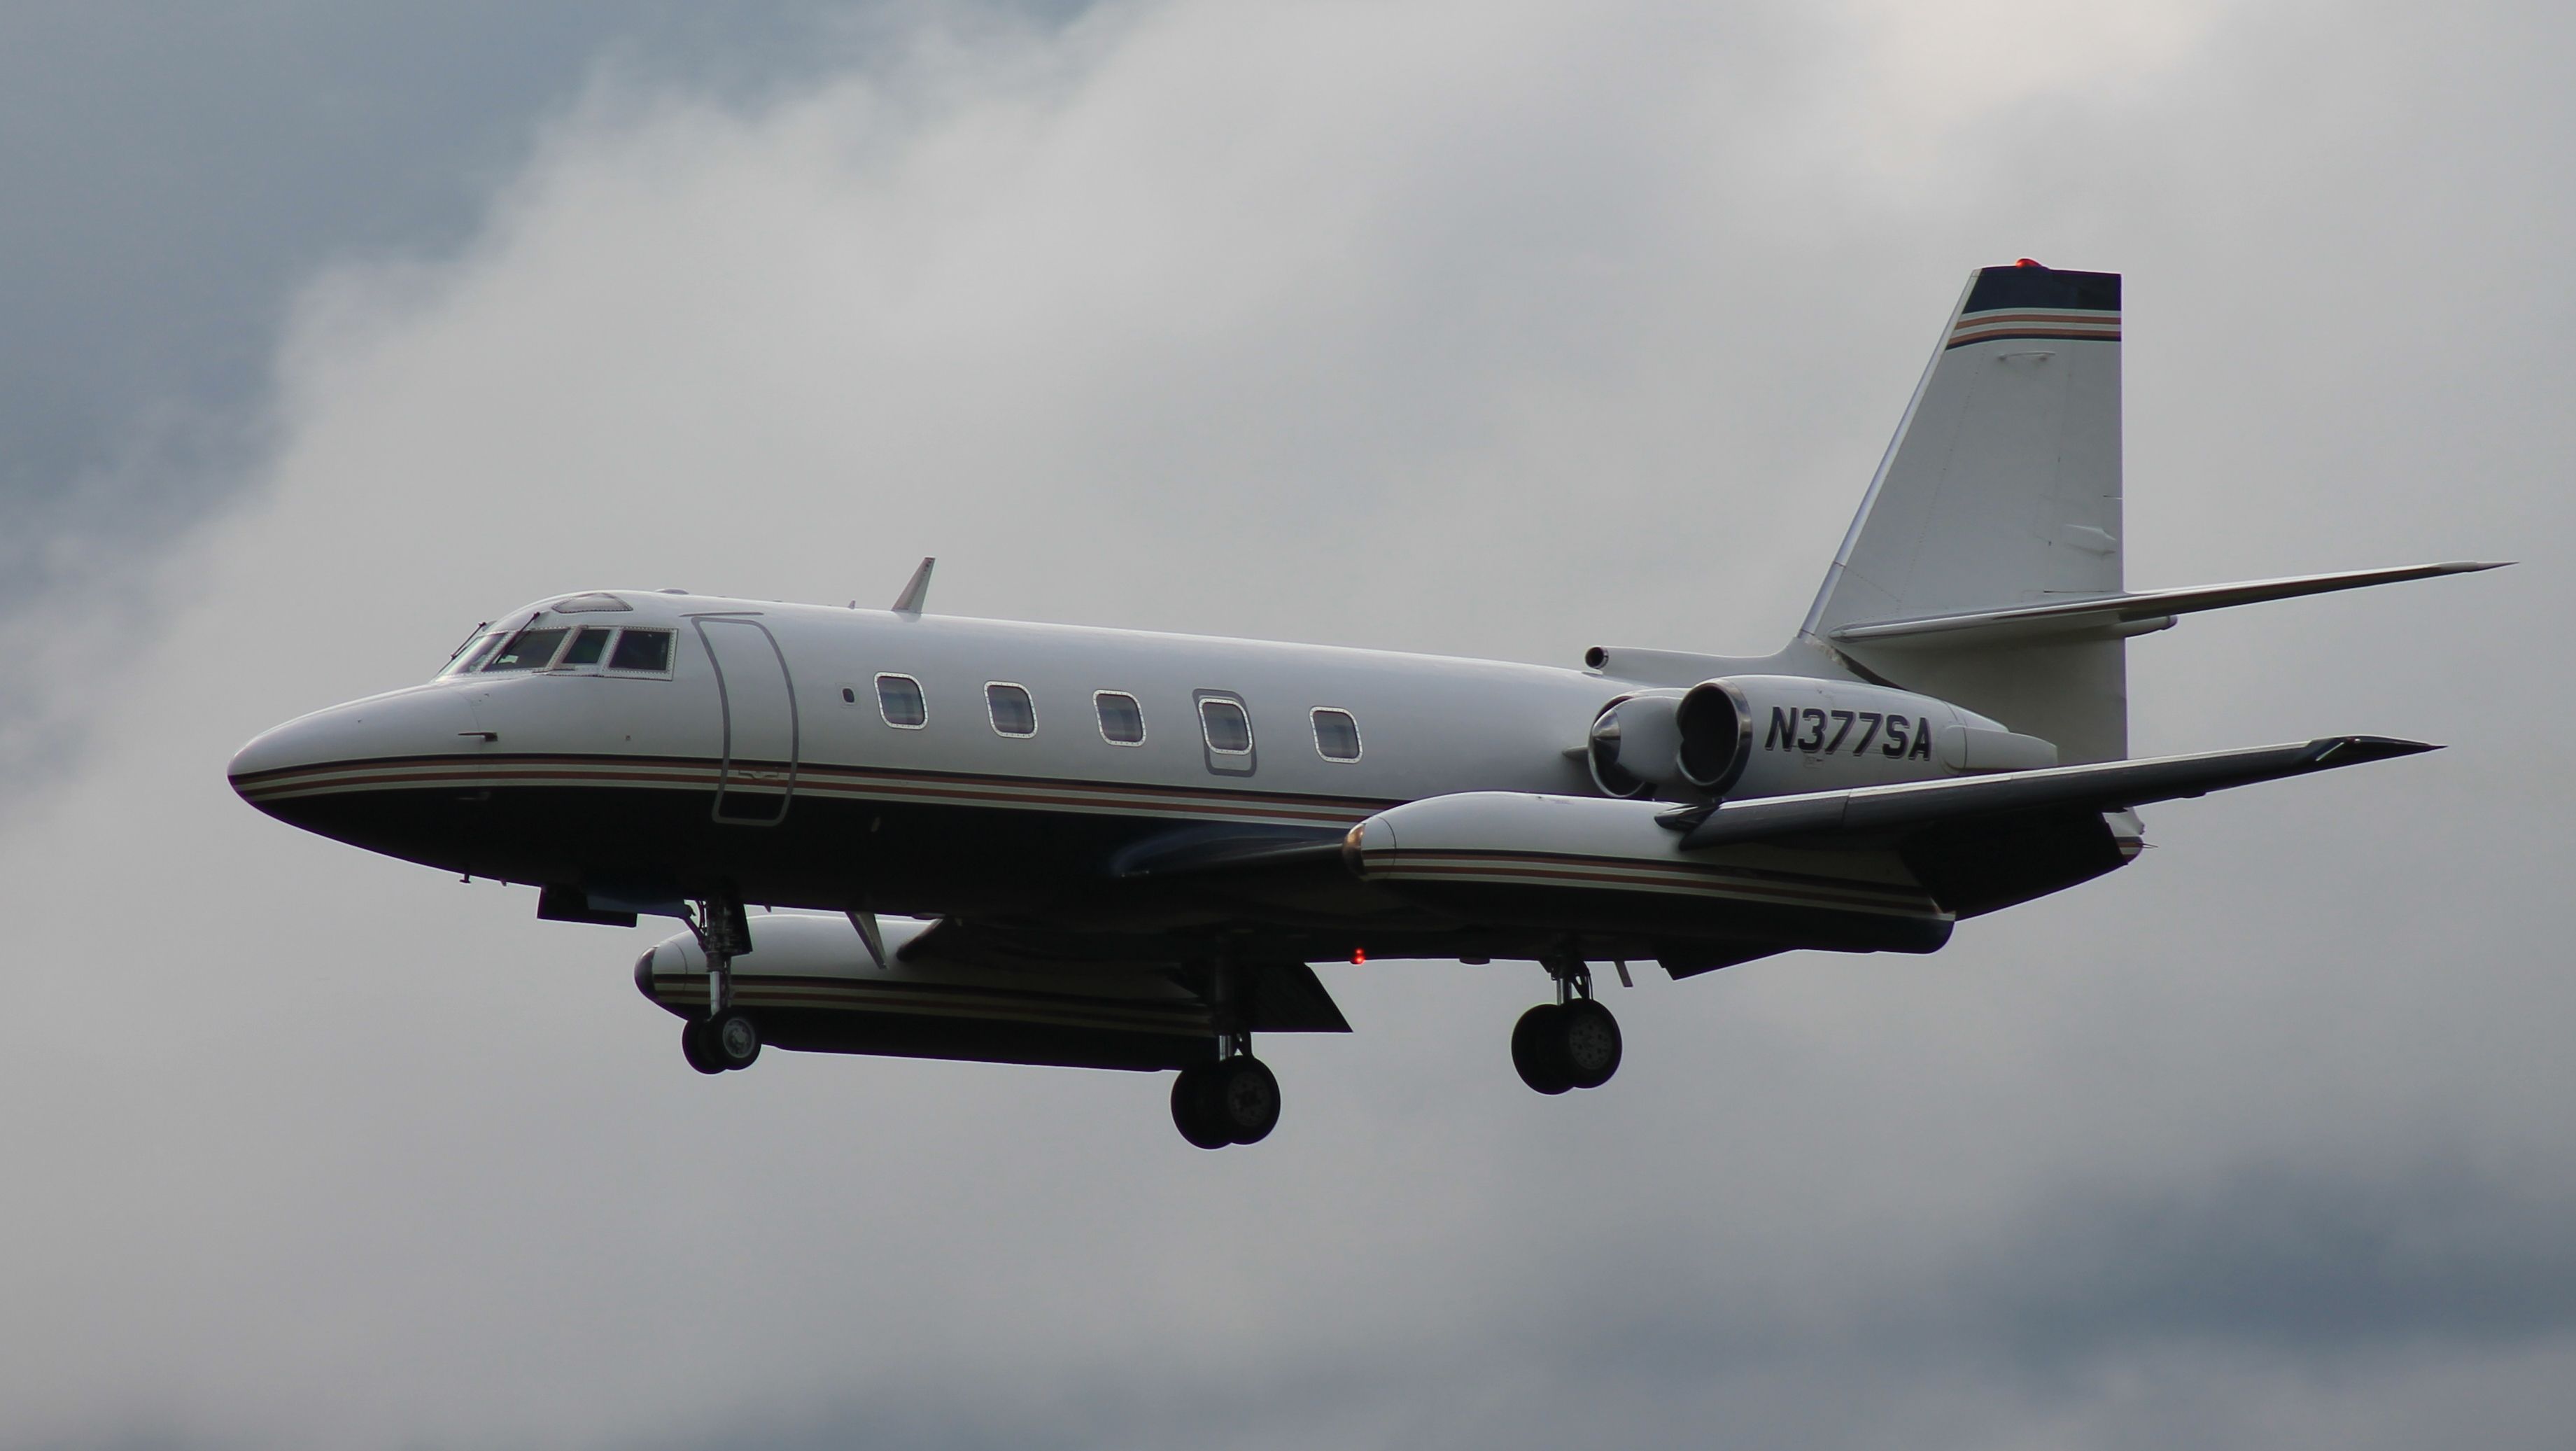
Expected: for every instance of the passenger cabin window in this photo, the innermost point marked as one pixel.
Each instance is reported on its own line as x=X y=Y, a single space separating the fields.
x=1337 y=735
x=1229 y=730
x=1014 y=714
x=642 y=650
x=528 y=650
x=899 y=701
x=588 y=646
x=1122 y=720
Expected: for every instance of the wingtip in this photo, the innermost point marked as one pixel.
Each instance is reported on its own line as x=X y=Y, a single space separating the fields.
x=2354 y=750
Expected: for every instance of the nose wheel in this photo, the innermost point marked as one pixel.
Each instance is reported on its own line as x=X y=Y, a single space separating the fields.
x=722 y=1043
x=1571 y=1043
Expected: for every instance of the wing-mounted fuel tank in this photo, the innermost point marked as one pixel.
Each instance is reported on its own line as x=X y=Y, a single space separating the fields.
x=813 y=985
x=1770 y=735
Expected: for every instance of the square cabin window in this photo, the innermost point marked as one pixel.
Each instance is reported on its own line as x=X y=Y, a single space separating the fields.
x=1337 y=735
x=899 y=701
x=1122 y=720
x=1229 y=730
x=1014 y=714
x=641 y=650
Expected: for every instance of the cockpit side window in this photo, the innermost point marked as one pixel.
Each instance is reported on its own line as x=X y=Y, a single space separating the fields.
x=588 y=646
x=642 y=650
x=528 y=650
x=472 y=655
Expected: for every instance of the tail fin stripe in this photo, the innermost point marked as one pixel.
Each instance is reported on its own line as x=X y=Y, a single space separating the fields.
x=1987 y=327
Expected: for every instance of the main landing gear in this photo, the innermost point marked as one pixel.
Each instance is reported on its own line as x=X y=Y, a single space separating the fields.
x=1234 y=1100
x=1570 y=1043
x=726 y=1038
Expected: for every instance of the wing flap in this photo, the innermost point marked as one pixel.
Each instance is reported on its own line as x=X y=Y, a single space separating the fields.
x=2108 y=786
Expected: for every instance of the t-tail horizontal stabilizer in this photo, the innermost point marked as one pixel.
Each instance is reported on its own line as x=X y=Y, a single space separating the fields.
x=2112 y=616
x=2110 y=786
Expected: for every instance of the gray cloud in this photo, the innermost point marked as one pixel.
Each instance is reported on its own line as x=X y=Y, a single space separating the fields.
x=176 y=176
x=1496 y=330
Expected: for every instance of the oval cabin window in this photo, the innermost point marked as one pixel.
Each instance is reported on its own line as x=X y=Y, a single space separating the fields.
x=1014 y=714
x=1122 y=720
x=1229 y=730
x=899 y=701
x=1337 y=735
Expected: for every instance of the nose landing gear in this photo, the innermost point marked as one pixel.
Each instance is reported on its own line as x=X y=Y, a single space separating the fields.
x=726 y=1038
x=1570 y=1043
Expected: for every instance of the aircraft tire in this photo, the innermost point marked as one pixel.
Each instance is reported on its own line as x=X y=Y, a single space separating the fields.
x=1538 y=1050
x=1194 y=1108
x=1246 y=1095
x=732 y=1040
x=1587 y=1043
x=693 y=1046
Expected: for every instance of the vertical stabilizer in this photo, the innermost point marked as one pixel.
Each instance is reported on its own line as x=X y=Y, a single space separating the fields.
x=2002 y=487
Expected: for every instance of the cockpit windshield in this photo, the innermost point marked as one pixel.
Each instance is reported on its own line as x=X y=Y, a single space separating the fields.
x=565 y=649
x=528 y=650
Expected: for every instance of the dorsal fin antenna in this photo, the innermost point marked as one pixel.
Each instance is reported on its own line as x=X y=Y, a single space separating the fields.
x=909 y=602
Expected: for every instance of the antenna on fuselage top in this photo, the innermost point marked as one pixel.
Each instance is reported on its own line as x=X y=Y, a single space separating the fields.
x=909 y=602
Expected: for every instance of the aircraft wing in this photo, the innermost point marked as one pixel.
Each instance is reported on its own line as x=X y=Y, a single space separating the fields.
x=2109 y=786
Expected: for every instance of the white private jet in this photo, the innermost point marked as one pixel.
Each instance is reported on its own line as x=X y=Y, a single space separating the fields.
x=1116 y=849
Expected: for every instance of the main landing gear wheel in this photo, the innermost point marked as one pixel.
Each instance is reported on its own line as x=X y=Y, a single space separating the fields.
x=1557 y=1046
x=1231 y=1101
x=1534 y=1053
x=1588 y=1042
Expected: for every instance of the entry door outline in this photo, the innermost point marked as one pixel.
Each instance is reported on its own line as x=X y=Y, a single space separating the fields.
x=725 y=695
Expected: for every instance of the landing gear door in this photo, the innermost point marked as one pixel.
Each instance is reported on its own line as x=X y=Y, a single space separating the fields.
x=758 y=700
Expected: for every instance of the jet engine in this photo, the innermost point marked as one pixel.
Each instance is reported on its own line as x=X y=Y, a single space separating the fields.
x=1767 y=735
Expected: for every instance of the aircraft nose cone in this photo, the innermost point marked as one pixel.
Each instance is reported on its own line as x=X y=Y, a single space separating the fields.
x=314 y=753
x=275 y=749
x=274 y=756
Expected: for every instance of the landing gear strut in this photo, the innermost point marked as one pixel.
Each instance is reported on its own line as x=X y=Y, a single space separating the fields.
x=1234 y=1100
x=726 y=1037
x=1570 y=1043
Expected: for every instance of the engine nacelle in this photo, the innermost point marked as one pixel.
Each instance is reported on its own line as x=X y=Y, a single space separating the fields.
x=1772 y=735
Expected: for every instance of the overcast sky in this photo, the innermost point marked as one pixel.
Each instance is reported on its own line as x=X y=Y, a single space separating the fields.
x=1498 y=328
